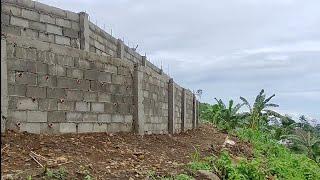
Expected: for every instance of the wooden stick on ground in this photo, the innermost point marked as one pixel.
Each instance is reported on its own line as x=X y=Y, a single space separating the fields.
x=36 y=160
x=7 y=145
x=39 y=156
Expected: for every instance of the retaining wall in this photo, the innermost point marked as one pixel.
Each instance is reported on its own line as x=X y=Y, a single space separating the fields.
x=60 y=73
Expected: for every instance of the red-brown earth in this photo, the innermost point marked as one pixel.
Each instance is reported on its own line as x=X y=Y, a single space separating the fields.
x=109 y=156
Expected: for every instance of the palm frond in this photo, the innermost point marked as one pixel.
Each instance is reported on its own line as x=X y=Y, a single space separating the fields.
x=220 y=103
x=259 y=96
x=295 y=138
x=245 y=102
x=230 y=105
x=314 y=141
x=236 y=108
x=269 y=98
x=271 y=105
x=272 y=113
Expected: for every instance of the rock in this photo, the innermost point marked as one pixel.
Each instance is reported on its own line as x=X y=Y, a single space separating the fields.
x=228 y=141
x=61 y=160
x=141 y=157
x=208 y=175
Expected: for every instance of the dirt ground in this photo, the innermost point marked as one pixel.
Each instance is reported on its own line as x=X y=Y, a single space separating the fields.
x=109 y=156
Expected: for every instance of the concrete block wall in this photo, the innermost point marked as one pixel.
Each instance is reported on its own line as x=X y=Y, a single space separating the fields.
x=55 y=89
x=50 y=24
x=178 y=108
x=64 y=74
x=155 y=94
x=189 y=110
x=101 y=42
x=40 y=21
x=132 y=55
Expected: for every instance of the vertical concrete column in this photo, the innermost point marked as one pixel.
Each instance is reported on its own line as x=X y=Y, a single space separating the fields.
x=194 y=112
x=4 y=85
x=138 y=114
x=120 y=49
x=144 y=60
x=84 y=31
x=198 y=113
x=171 y=110
x=183 y=109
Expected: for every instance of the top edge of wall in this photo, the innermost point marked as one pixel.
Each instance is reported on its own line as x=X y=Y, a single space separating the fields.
x=51 y=10
x=63 y=50
x=47 y=9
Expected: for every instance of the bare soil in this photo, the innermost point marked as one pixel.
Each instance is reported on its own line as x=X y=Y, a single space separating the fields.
x=110 y=156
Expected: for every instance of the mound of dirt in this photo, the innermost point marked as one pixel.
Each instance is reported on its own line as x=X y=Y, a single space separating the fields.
x=110 y=156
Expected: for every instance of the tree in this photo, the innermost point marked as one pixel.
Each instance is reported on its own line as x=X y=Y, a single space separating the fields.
x=259 y=112
x=305 y=125
x=227 y=117
x=306 y=142
x=224 y=116
x=286 y=126
x=210 y=112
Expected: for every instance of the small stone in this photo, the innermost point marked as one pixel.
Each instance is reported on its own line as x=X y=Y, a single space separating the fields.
x=61 y=160
x=141 y=157
x=208 y=175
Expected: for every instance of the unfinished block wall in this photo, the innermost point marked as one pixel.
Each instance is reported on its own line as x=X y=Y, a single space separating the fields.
x=64 y=90
x=189 y=111
x=40 y=21
x=60 y=73
x=178 y=108
x=101 y=42
x=155 y=101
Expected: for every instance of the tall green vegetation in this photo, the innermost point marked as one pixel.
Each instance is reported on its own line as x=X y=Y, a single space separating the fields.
x=259 y=112
x=225 y=116
x=283 y=148
x=305 y=142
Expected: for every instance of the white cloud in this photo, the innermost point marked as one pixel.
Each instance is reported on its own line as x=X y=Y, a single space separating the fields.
x=304 y=46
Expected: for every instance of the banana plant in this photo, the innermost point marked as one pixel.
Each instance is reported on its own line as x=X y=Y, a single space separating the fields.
x=228 y=117
x=211 y=113
x=259 y=112
x=306 y=141
x=224 y=116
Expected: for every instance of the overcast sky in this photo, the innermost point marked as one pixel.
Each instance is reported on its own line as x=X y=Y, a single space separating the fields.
x=228 y=48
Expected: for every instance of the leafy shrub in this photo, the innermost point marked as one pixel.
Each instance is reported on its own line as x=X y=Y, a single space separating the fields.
x=226 y=117
x=244 y=169
x=200 y=165
x=280 y=162
x=60 y=174
x=263 y=128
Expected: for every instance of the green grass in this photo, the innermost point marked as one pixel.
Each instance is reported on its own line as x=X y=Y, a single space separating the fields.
x=277 y=160
x=183 y=177
x=270 y=160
